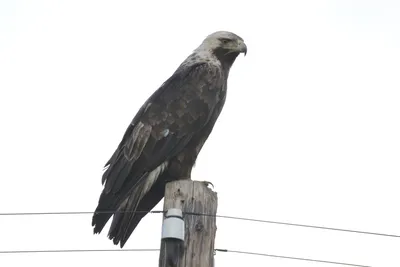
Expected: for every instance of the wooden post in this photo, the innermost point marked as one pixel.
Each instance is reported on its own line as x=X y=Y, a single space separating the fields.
x=198 y=248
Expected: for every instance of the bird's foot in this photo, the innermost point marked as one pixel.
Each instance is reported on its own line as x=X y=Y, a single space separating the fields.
x=207 y=183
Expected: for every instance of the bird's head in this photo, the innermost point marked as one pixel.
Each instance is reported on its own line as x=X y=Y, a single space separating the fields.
x=226 y=46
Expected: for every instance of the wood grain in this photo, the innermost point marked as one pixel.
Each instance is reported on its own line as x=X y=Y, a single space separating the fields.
x=198 y=247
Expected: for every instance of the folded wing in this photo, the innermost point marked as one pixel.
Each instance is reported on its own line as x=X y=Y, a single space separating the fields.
x=164 y=125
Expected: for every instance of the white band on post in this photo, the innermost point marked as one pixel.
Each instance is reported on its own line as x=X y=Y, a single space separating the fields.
x=173 y=225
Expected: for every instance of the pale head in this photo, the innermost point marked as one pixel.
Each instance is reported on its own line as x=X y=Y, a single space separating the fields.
x=224 y=45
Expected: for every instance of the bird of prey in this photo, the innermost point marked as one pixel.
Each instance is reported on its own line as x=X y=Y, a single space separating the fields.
x=163 y=140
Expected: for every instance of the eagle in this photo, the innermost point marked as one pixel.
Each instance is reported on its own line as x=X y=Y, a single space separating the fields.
x=164 y=138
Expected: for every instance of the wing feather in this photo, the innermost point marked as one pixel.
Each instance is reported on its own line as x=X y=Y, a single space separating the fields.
x=191 y=92
x=164 y=125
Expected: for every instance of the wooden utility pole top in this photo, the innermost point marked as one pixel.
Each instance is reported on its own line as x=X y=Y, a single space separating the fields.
x=198 y=248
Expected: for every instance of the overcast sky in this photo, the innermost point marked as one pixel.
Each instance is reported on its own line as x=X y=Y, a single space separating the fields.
x=309 y=134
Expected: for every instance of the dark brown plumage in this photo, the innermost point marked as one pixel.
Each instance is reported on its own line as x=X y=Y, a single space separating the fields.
x=165 y=137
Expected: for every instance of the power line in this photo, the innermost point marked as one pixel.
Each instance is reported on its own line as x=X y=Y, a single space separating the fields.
x=290 y=258
x=77 y=250
x=202 y=214
x=294 y=224
x=306 y=225
x=155 y=249
x=73 y=212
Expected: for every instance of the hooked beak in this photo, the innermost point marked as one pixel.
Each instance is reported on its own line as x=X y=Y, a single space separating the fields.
x=242 y=48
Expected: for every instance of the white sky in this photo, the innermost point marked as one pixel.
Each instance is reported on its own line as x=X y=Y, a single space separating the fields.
x=309 y=133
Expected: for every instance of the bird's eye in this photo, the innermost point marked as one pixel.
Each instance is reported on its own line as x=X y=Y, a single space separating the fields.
x=225 y=41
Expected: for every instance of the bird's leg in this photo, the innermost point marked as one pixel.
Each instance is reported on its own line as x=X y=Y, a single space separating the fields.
x=177 y=179
x=184 y=178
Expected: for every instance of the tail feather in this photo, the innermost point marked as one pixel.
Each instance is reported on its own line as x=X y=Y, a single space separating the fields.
x=103 y=212
x=143 y=197
x=124 y=224
x=109 y=202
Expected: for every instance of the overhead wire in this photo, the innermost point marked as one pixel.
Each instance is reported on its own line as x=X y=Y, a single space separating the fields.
x=192 y=214
x=204 y=214
x=155 y=249
x=290 y=258
x=72 y=212
x=305 y=225
x=77 y=250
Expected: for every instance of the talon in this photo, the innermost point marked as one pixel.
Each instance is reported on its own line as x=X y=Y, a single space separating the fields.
x=207 y=183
